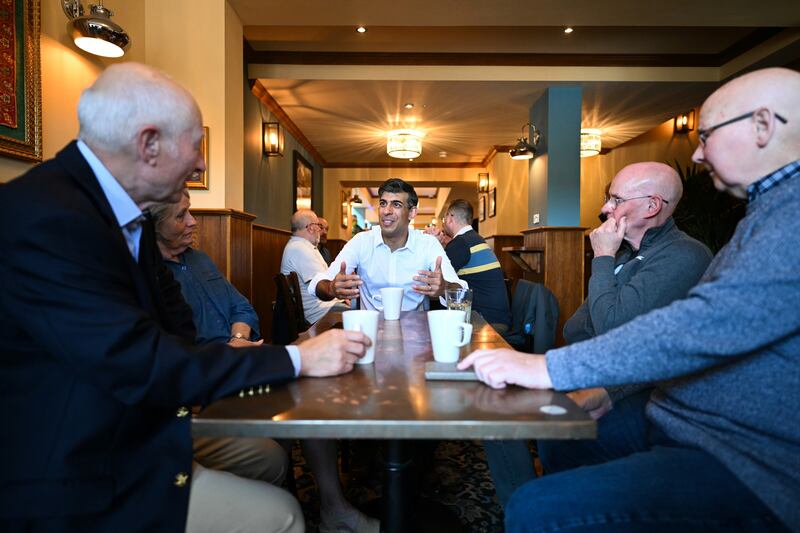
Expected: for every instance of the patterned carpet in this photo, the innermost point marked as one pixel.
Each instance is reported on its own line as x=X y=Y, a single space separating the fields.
x=455 y=475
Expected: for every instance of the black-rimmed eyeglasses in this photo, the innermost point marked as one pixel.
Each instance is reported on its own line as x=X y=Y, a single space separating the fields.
x=617 y=201
x=705 y=133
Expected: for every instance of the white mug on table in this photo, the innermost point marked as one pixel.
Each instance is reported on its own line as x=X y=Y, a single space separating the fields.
x=367 y=323
x=449 y=333
x=392 y=300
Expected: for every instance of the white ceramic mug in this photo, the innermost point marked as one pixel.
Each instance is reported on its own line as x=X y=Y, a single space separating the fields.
x=392 y=300
x=449 y=333
x=367 y=323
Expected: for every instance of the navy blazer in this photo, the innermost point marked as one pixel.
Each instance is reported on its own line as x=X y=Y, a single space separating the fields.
x=96 y=363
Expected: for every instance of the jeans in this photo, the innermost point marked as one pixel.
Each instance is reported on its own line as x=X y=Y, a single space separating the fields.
x=633 y=478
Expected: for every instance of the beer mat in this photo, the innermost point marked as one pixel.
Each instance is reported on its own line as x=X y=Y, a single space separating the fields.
x=447 y=372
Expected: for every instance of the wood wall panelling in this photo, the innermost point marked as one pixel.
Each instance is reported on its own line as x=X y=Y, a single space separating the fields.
x=268 y=245
x=226 y=236
x=563 y=266
x=511 y=270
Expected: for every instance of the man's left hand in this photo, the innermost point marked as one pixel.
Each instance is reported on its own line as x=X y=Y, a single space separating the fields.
x=596 y=402
x=432 y=281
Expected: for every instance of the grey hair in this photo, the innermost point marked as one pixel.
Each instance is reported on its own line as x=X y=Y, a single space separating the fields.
x=462 y=210
x=129 y=96
x=301 y=218
x=161 y=211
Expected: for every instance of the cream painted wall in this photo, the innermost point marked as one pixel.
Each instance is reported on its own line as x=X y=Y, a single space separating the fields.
x=66 y=71
x=185 y=39
x=510 y=177
x=660 y=144
x=373 y=177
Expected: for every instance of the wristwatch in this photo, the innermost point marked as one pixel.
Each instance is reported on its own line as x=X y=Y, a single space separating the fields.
x=237 y=335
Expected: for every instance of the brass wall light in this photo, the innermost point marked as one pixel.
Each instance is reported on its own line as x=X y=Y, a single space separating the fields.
x=684 y=123
x=483 y=182
x=95 y=33
x=273 y=138
x=524 y=149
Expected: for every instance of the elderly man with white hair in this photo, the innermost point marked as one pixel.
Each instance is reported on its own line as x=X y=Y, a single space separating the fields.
x=723 y=425
x=96 y=366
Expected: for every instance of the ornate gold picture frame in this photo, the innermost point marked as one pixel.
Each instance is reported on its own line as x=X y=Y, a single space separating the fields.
x=20 y=81
x=200 y=181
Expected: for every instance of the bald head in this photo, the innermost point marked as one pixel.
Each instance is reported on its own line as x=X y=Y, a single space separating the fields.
x=305 y=224
x=652 y=179
x=765 y=139
x=128 y=97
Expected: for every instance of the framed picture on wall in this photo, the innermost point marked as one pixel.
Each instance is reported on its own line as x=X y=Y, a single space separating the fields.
x=199 y=180
x=303 y=182
x=493 y=202
x=20 y=81
x=482 y=208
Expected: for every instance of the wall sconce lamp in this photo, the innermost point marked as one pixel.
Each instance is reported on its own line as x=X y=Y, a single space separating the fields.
x=273 y=138
x=524 y=149
x=483 y=182
x=591 y=142
x=684 y=123
x=95 y=33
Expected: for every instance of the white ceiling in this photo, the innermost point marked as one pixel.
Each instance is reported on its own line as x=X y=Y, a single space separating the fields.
x=473 y=68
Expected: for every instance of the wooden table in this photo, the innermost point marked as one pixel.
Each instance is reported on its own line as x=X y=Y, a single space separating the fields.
x=391 y=400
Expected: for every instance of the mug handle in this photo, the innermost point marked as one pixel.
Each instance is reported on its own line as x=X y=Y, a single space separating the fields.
x=378 y=298
x=466 y=332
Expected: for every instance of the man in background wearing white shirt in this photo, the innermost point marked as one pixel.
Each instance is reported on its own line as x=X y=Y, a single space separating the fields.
x=301 y=255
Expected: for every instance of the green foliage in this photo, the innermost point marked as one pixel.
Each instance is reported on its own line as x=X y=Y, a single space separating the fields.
x=708 y=215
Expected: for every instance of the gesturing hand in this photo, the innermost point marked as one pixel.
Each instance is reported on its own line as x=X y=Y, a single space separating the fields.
x=346 y=285
x=431 y=281
x=607 y=238
x=331 y=353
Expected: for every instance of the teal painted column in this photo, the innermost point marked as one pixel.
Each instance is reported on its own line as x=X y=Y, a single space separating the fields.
x=554 y=175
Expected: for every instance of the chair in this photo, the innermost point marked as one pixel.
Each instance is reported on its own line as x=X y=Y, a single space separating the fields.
x=288 y=317
x=534 y=318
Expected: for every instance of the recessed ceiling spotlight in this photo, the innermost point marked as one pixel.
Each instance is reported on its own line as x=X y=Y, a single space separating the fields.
x=568 y=30
x=442 y=154
x=361 y=29
x=409 y=105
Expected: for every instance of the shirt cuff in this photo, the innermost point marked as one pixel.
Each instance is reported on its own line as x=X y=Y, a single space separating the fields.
x=294 y=355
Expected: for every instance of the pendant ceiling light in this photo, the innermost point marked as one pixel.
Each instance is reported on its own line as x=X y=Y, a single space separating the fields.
x=524 y=149
x=404 y=144
x=590 y=142
x=95 y=33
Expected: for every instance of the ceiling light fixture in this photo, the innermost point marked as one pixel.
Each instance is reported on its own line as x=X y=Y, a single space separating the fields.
x=95 y=33
x=404 y=144
x=523 y=149
x=590 y=142
x=568 y=30
x=356 y=199
x=409 y=105
x=361 y=29
x=442 y=154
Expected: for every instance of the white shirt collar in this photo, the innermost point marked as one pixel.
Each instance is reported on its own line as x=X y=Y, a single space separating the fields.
x=463 y=230
x=124 y=208
x=377 y=238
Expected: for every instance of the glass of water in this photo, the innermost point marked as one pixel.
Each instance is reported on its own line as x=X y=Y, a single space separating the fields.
x=460 y=300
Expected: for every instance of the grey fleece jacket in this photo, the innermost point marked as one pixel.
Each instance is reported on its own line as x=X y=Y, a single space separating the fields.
x=667 y=264
x=731 y=350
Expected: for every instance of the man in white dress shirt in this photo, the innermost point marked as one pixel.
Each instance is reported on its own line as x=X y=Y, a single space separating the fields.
x=389 y=255
x=301 y=255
